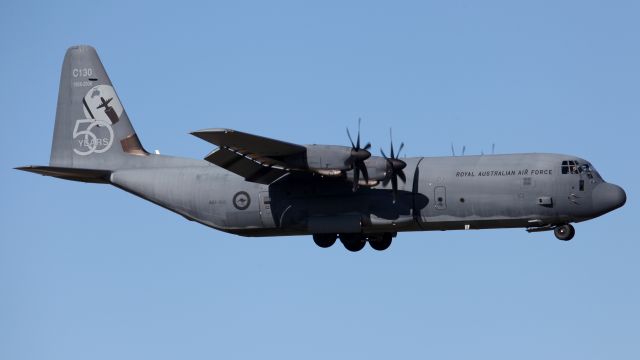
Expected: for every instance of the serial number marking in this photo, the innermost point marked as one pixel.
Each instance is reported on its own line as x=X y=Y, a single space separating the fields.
x=82 y=83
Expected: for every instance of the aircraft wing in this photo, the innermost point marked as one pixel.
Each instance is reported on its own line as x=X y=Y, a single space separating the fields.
x=256 y=158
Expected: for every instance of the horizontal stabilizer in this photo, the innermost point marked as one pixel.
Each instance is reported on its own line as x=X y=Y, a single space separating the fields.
x=75 y=174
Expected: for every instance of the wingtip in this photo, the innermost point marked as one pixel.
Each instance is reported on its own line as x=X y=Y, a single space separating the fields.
x=202 y=134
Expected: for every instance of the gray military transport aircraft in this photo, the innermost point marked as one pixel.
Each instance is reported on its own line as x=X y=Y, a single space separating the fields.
x=256 y=186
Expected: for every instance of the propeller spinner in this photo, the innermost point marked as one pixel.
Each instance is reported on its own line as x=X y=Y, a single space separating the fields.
x=395 y=168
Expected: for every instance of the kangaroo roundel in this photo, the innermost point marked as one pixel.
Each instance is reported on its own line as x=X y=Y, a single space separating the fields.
x=102 y=103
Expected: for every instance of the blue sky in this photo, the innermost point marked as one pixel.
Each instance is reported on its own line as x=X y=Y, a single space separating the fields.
x=88 y=271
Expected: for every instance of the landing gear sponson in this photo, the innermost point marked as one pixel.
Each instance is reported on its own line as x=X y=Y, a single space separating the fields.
x=380 y=242
x=355 y=242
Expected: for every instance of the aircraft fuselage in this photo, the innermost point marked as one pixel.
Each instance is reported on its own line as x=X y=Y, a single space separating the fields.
x=441 y=193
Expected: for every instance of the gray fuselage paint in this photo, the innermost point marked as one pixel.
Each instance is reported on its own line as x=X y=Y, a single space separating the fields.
x=488 y=191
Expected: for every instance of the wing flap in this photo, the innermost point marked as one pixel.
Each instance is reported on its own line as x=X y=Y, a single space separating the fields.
x=245 y=167
x=256 y=158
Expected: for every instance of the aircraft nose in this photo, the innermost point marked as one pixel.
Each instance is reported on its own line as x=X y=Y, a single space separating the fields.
x=608 y=197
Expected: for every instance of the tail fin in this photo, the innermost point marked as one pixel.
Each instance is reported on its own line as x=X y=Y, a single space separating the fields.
x=92 y=128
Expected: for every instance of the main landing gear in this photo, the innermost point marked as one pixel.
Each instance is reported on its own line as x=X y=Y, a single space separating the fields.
x=324 y=240
x=564 y=232
x=355 y=242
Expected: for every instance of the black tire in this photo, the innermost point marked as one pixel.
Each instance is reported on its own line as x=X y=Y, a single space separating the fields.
x=381 y=243
x=564 y=232
x=324 y=240
x=353 y=242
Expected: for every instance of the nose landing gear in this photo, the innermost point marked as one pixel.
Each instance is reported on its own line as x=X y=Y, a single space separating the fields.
x=564 y=232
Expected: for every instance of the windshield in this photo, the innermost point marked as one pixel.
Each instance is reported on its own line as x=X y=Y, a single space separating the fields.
x=581 y=168
x=591 y=172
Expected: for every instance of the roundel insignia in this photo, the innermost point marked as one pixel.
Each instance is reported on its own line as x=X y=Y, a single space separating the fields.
x=241 y=200
x=101 y=103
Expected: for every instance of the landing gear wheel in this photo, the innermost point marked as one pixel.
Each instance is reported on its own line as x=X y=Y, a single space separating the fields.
x=381 y=243
x=564 y=232
x=353 y=242
x=324 y=240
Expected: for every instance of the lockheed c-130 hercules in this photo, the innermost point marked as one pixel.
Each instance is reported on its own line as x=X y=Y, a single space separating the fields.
x=257 y=186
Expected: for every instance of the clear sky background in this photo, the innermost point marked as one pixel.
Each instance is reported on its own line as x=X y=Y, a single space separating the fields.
x=90 y=272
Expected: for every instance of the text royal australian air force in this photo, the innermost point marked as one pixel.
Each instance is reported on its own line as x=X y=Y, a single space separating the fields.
x=503 y=172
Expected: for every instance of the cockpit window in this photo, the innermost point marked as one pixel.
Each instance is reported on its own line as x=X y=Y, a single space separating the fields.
x=585 y=168
x=593 y=173
x=571 y=167
x=575 y=167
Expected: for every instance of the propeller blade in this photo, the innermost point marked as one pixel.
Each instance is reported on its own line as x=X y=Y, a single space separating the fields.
x=400 y=149
x=402 y=176
x=463 y=149
x=394 y=187
x=365 y=172
x=351 y=140
x=368 y=146
x=391 y=142
x=383 y=154
x=356 y=178
x=415 y=211
x=358 y=140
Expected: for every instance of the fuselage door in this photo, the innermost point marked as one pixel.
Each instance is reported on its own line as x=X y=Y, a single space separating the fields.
x=440 y=197
x=265 y=210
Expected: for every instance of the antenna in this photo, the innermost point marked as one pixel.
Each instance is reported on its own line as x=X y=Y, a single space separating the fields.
x=493 y=149
x=464 y=148
x=453 y=151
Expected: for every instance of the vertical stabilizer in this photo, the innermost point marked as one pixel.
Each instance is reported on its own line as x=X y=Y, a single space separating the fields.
x=92 y=129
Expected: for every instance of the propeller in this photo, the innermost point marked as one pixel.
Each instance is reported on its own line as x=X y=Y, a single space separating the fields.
x=395 y=168
x=357 y=158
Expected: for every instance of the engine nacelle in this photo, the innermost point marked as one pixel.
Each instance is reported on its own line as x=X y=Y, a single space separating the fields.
x=377 y=169
x=324 y=158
